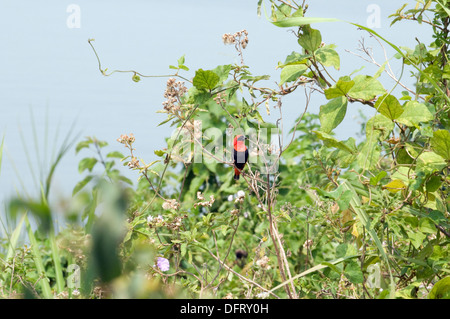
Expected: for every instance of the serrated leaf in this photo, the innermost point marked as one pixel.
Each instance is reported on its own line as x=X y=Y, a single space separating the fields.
x=205 y=80
x=310 y=40
x=332 y=114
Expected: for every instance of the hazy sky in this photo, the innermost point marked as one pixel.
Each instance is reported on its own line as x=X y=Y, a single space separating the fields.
x=47 y=67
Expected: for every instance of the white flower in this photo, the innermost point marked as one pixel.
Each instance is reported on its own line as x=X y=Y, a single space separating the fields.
x=230 y=198
x=262 y=295
x=240 y=194
x=149 y=219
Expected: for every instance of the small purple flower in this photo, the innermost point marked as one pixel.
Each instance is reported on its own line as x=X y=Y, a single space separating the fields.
x=163 y=264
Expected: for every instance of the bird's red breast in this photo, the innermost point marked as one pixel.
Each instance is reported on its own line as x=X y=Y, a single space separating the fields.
x=239 y=143
x=240 y=155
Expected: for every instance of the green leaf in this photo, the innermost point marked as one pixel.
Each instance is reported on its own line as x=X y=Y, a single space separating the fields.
x=369 y=155
x=440 y=143
x=376 y=179
x=328 y=57
x=292 y=72
x=87 y=163
x=332 y=114
x=115 y=154
x=181 y=60
x=205 y=80
x=341 y=88
x=40 y=268
x=82 y=144
x=389 y=106
x=441 y=289
x=433 y=183
x=222 y=71
x=310 y=40
x=79 y=186
x=299 y=21
x=430 y=162
x=330 y=141
x=426 y=225
x=379 y=127
x=353 y=272
x=414 y=113
x=366 y=88
x=136 y=78
x=416 y=238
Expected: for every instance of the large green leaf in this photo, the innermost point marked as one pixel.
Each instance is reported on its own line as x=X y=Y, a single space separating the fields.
x=440 y=143
x=299 y=21
x=414 y=113
x=441 y=289
x=332 y=114
x=341 y=88
x=366 y=88
x=328 y=57
x=430 y=162
x=389 y=106
x=310 y=40
x=330 y=141
x=292 y=72
x=205 y=80
x=369 y=155
x=379 y=126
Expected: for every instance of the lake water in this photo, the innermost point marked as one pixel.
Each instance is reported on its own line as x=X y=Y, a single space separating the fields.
x=49 y=73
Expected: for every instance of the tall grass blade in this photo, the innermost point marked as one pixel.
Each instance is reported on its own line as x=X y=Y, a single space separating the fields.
x=44 y=282
x=313 y=269
x=355 y=203
x=57 y=263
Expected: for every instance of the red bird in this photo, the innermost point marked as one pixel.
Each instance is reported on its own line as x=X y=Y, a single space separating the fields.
x=240 y=155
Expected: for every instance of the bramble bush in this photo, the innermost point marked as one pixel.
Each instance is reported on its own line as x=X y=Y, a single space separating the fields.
x=312 y=216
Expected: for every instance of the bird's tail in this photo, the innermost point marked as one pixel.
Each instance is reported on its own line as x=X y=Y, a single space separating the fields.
x=236 y=174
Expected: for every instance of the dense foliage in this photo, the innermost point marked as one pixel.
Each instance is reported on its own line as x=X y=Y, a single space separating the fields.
x=311 y=217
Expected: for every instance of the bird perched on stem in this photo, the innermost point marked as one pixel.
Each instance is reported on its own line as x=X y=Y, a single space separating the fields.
x=240 y=155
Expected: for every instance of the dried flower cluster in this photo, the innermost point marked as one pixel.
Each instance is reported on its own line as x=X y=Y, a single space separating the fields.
x=127 y=140
x=203 y=202
x=171 y=204
x=219 y=98
x=263 y=262
x=173 y=93
x=134 y=163
x=239 y=38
